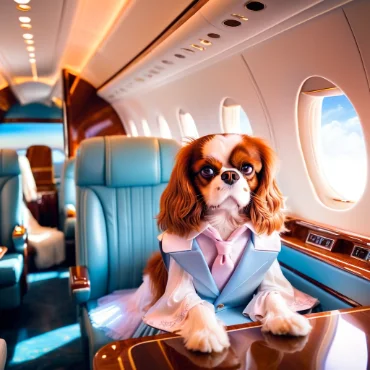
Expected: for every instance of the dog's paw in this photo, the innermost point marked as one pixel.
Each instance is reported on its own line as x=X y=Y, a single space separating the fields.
x=287 y=324
x=207 y=339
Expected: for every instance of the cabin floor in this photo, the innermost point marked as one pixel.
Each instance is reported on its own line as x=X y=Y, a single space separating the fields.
x=43 y=333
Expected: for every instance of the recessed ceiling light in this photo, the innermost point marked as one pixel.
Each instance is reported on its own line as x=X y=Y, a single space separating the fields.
x=32 y=55
x=27 y=36
x=29 y=42
x=23 y=8
x=26 y=26
x=24 y=19
x=205 y=42
x=239 y=16
x=255 y=6
x=32 y=60
x=30 y=48
x=231 y=23
x=22 y=2
x=200 y=48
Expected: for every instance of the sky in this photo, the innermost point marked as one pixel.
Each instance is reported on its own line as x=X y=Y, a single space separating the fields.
x=342 y=150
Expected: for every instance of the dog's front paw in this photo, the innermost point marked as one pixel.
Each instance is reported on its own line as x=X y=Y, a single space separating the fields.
x=292 y=324
x=207 y=339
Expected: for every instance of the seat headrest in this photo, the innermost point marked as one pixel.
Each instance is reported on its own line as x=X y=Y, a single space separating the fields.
x=9 y=165
x=69 y=168
x=121 y=161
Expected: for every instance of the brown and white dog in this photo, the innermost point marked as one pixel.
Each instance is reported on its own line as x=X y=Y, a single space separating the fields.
x=226 y=180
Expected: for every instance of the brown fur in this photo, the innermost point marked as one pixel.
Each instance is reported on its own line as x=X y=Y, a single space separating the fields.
x=182 y=207
x=156 y=270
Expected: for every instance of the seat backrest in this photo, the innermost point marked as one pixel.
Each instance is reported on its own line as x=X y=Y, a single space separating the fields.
x=119 y=183
x=67 y=193
x=10 y=196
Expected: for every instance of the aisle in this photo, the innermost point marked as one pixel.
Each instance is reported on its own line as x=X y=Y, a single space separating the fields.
x=43 y=333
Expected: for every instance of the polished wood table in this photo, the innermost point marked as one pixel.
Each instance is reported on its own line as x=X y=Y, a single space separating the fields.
x=339 y=340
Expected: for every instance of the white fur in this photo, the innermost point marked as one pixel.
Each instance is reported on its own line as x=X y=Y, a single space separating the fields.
x=220 y=147
x=203 y=332
x=281 y=320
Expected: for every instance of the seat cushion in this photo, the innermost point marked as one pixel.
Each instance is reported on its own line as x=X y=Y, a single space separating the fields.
x=96 y=337
x=69 y=228
x=11 y=266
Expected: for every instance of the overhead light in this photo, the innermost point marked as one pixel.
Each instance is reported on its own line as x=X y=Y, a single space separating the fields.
x=32 y=60
x=22 y=2
x=239 y=16
x=30 y=48
x=24 y=19
x=29 y=42
x=32 y=55
x=27 y=26
x=205 y=42
x=23 y=8
x=27 y=36
x=200 y=48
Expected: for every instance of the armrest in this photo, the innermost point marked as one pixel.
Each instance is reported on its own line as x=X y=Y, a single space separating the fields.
x=70 y=210
x=79 y=283
x=3 y=250
x=19 y=237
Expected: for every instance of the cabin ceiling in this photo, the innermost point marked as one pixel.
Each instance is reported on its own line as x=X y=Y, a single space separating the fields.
x=93 y=38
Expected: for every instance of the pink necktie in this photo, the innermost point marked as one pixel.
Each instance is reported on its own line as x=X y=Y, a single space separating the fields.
x=223 y=266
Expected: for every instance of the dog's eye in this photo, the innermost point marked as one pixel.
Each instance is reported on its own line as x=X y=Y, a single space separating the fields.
x=207 y=172
x=247 y=169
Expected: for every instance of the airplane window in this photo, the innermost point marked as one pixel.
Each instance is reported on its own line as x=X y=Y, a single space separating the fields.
x=146 y=128
x=133 y=128
x=164 y=129
x=187 y=124
x=341 y=149
x=20 y=136
x=234 y=119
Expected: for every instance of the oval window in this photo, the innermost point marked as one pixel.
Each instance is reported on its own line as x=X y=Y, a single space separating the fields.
x=337 y=141
x=187 y=124
x=133 y=128
x=146 y=128
x=164 y=129
x=234 y=120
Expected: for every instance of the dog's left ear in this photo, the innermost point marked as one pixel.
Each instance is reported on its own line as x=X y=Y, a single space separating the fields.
x=266 y=207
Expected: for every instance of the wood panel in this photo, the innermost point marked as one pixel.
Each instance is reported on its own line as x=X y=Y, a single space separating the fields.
x=86 y=114
x=339 y=255
x=330 y=332
x=7 y=99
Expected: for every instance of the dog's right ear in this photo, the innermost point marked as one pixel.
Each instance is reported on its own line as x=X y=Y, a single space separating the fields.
x=180 y=210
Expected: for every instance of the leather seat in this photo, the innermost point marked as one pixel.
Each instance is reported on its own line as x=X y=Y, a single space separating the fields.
x=119 y=184
x=12 y=234
x=67 y=200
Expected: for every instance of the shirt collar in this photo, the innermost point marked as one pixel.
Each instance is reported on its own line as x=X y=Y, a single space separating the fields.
x=174 y=243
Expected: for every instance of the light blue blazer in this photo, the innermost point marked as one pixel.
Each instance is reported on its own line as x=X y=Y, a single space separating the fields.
x=229 y=303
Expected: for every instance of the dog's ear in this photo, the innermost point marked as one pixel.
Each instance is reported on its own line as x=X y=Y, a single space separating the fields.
x=267 y=202
x=180 y=209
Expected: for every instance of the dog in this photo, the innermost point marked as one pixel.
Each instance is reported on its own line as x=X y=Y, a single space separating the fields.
x=222 y=180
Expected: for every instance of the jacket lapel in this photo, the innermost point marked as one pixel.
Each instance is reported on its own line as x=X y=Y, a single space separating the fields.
x=249 y=266
x=193 y=262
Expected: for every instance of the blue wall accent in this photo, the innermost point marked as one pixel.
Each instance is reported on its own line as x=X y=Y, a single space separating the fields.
x=343 y=282
x=34 y=110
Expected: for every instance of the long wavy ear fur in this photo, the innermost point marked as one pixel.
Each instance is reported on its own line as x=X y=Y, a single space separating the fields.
x=180 y=210
x=266 y=207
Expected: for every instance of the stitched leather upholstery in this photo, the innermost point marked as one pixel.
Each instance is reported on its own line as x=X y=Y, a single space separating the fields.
x=67 y=198
x=11 y=265
x=119 y=183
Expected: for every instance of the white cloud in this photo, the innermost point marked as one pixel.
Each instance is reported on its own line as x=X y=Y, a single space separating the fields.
x=342 y=154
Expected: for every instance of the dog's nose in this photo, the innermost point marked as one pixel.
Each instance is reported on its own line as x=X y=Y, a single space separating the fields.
x=230 y=177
